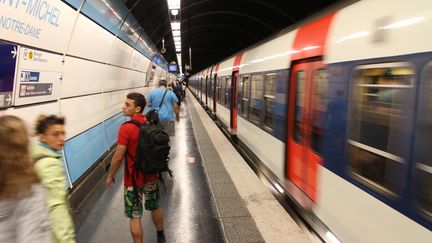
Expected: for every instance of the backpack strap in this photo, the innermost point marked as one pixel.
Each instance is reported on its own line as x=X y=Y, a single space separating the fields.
x=163 y=97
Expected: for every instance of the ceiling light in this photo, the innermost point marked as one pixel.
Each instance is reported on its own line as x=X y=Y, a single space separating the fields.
x=175 y=25
x=177 y=43
x=177 y=38
x=174 y=4
x=174 y=12
x=176 y=33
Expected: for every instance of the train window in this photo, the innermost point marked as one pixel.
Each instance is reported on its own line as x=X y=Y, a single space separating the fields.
x=319 y=109
x=299 y=105
x=227 y=99
x=422 y=179
x=269 y=98
x=255 y=107
x=221 y=82
x=378 y=132
x=245 y=95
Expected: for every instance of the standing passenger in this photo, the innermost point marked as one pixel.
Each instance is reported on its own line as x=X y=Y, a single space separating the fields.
x=147 y=183
x=23 y=212
x=49 y=166
x=168 y=107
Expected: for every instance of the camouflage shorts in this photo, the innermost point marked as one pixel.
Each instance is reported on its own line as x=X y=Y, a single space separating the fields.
x=133 y=201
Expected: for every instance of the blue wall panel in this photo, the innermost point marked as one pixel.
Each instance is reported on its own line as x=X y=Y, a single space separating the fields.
x=112 y=126
x=84 y=150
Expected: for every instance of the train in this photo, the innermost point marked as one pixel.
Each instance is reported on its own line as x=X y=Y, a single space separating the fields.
x=338 y=108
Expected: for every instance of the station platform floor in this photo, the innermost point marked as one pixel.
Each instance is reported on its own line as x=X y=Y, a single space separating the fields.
x=213 y=196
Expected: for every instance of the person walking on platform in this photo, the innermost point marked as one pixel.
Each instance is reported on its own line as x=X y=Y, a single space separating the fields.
x=167 y=109
x=24 y=215
x=147 y=184
x=47 y=155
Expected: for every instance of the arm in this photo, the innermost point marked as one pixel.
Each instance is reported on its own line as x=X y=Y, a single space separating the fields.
x=52 y=176
x=115 y=163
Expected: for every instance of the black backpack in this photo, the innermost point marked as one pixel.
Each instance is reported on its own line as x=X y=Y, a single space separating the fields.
x=152 y=151
x=152 y=116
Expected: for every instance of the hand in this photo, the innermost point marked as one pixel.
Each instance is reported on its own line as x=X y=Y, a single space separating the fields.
x=110 y=180
x=177 y=118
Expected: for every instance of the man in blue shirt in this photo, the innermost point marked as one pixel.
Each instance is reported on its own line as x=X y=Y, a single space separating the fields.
x=167 y=109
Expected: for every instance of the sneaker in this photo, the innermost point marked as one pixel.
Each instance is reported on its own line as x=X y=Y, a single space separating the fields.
x=161 y=239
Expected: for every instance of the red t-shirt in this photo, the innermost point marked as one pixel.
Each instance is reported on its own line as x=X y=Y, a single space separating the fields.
x=128 y=135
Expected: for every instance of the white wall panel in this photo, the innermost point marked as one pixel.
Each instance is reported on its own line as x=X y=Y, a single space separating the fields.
x=30 y=113
x=134 y=79
x=379 y=28
x=139 y=62
x=115 y=78
x=113 y=102
x=342 y=205
x=83 y=77
x=269 y=149
x=272 y=55
x=83 y=113
x=50 y=31
x=120 y=54
x=90 y=41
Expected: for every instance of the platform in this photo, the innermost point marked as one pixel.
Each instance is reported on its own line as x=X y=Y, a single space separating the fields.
x=213 y=196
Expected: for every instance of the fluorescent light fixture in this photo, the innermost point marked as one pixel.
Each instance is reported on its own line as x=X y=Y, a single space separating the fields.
x=174 y=4
x=175 y=25
x=178 y=49
x=175 y=12
x=177 y=43
x=176 y=33
x=177 y=38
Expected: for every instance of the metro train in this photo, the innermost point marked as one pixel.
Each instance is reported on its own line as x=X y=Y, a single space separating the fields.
x=339 y=110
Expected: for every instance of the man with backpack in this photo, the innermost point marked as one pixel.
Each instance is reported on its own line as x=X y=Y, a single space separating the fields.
x=165 y=102
x=136 y=182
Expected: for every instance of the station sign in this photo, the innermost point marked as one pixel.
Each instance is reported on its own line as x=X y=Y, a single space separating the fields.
x=8 y=60
x=39 y=76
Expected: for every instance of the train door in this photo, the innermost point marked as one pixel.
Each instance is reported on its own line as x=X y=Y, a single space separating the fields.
x=303 y=134
x=215 y=90
x=206 y=91
x=233 y=108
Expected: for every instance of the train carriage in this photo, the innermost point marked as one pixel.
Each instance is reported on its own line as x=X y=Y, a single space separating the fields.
x=338 y=108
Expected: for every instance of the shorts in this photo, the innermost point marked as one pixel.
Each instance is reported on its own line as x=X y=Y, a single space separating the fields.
x=133 y=201
x=168 y=127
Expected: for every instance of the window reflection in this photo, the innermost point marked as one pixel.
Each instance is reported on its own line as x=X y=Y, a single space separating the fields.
x=269 y=98
x=299 y=106
x=256 y=98
x=378 y=135
x=245 y=96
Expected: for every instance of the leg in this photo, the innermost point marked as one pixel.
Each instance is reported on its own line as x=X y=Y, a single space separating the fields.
x=133 y=210
x=157 y=217
x=136 y=230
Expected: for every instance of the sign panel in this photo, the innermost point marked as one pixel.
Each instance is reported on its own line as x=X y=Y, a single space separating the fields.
x=39 y=76
x=42 y=23
x=8 y=57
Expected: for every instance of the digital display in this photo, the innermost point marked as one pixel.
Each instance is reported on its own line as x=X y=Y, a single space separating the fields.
x=173 y=68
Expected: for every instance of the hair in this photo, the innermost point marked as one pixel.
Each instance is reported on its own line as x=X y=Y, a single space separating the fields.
x=17 y=173
x=163 y=82
x=43 y=123
x=139 y=100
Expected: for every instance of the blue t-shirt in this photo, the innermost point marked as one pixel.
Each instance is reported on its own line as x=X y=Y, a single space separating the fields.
x=165 y=112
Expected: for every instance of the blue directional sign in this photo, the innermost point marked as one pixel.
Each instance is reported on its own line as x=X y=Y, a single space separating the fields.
x=8 y=57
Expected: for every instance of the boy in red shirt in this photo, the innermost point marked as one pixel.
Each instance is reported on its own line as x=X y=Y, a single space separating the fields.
x=147 y=183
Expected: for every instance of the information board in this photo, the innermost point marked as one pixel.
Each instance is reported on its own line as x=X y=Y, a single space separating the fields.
x=8 y=59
